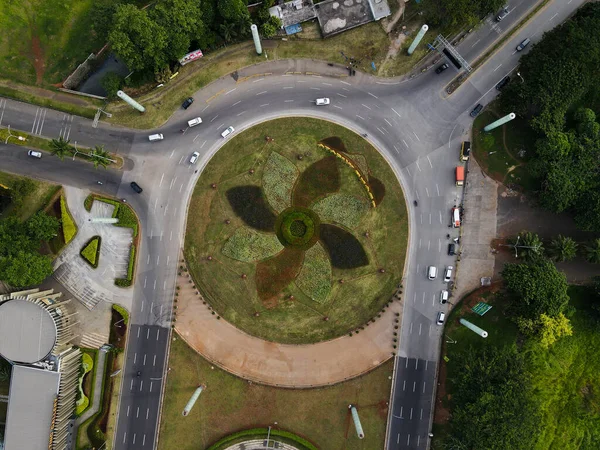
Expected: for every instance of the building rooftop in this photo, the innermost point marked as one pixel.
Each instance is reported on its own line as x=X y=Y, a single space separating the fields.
x=27 y=331
x=32 y=397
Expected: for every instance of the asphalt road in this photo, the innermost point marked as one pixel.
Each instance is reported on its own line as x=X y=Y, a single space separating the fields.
x=414 y=125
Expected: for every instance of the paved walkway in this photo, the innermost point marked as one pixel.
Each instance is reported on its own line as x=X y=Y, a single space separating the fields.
x=298 y=366
x=92 y=286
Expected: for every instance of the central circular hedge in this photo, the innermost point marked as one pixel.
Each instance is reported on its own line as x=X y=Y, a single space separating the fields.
x=298 y=228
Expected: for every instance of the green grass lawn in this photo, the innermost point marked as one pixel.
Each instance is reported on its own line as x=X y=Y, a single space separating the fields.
x=283 y=318
x=33 y=202
x=566 y=385
x=231 y=404
x=56 y=32
x=503 y=152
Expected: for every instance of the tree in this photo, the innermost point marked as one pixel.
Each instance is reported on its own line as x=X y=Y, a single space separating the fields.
x=179 y=19
x=25 y=269
x=227 y=30
x=137 y=39
x=269 y=28
x=21 y=189
x=529 y=246
x=14 y=237
x=5 y=369
x=42 y=227
x=535 y=288
x=460 y=13
x=592 y=251
x=111 y=83
x=553 y=328
x=99 y=156
x=60 y=147
x=233 y=10
x=587 y=217
x=562 y=248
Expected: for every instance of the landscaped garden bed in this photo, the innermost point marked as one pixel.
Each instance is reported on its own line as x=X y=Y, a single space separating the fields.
x=127 y=218
x=297 y=231
x=90 y=252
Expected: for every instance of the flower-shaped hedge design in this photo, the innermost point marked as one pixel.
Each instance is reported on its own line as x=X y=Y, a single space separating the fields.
x=297 y=226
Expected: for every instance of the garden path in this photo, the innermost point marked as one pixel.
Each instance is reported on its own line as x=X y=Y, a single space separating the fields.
x=271 y=363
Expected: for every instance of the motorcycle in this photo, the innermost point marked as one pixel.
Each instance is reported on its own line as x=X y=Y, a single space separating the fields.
x=415 y=203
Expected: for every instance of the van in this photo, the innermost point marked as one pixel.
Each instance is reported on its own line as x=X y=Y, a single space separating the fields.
x=440 y=318
x=465 y=149
x=432 y=272
x=523 y=44
x=194 y=122
x=155 y=137
x=34 y=154
x=456 y=217
x=452 y=249
x=444 y=297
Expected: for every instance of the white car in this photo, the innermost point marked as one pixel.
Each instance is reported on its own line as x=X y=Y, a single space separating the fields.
x=227 y=131
x=444 y=297
x=194 y=122
x=34 y=154
x=448 y=274
x=322 y=101
x=194 y=157
x=440 y=318
x=432 y=272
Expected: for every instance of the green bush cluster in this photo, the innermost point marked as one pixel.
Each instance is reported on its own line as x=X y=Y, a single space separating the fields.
x=298 y=227
x=126 y=282
x=301 y=443
x=124 y=213
x=124 y=313
x=68 y=224
x=91 y=251
x=87 y=203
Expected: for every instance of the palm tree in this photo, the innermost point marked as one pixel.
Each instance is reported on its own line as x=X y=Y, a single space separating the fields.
x=529 y=245
x=60 y=147
x=227 y=31
x=592 y=251
x=562 y=249
x=100 y=157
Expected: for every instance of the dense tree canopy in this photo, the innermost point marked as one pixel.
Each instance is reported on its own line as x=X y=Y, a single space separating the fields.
x=459 y=13
x=536 y=288
x=20 y=262
x=492 y=401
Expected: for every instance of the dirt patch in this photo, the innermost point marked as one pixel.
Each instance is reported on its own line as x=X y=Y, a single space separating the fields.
x=37 y=58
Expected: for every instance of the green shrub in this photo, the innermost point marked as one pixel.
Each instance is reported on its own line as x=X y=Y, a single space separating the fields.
x=91 y=251
x=124 y=213
x=126 y=282
x=68 y=225
x=124 y=313
x=87 y=203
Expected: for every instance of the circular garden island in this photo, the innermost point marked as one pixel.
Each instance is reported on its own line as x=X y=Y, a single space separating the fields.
x=297 y=231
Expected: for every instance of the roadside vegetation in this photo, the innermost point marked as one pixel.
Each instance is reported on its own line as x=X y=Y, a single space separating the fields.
x=230 y=404
x=565 y=161
x=21 y=262
x=91 y=251
x=532 y=384
x=83 y=400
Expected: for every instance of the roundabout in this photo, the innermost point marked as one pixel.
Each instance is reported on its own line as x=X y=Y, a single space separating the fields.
x=297 y=232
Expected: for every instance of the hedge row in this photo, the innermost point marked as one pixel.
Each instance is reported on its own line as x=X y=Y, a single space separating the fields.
x=91 y=251
x=87 y=203
x=301 y=443
x=124 y=313
x=68 y=225
x=123 y=212
x=126 y=282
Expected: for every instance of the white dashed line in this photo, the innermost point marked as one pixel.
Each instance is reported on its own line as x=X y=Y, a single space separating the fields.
x=341 y=95
x=373 y=95
x=288 y=101
x=405 y=143
x=387 y=121
x=262 y=106
x=338 y=107
x=499 y=65
x=431 y=165
x=256 y=81
x=417 y=136
x=261 y=93
x=396 y=113
x=237 y=103
x=230 y=91
x=360 y=117
x=366 y=106
x=213 y=119
x=241 y=113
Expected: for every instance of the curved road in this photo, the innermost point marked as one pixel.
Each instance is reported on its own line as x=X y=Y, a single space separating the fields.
x=415 y=128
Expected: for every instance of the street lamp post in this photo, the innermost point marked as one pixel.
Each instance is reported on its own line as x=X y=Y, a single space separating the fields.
x=20 y=138
x=268 y=435
x=519 y=75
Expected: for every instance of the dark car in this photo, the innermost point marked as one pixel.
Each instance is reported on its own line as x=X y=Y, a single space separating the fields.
x=523 y=44
x=188 y=101
x=136 y=187
x=452 y=249
x=476 y=110
x=502 y=83
x=502 y=14
x=441 y=68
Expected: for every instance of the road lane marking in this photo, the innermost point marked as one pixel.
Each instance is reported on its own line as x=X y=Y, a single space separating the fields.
x=263 y=105
x=181 y=187
x=418 y=167
x=125 y=434
x=148 y=262
x=408 y=170
x=420 y=326
x=396 y=148
x=161 y=180
x=423 y=297
x=154 y=361
x=154 y=288
x=288 y=87
x=137 y=413
x=417 y=136
x=165 y=285
x=373 y=95
x=410 y=331
x=427 y=192
x=360 y=117
x=172 y=153
x=387 y=121
x=203 y=144
x=405 y=368
x=341 y=95
x=415 y=296
x=345 y=82
x=398 y=440
x=381 y=131
x=431 y=165
x=499 y=65
x=338 y=107
x=213 y=119
x=423 y=393
x=221 y=126
x=437 y=188
x=144 y=440
x=145 y=279
x=414 y=388
x=237 y=103
x=405 y=143
x=241 y=113
x=141 y=387
x=346 y=89
x=147 y=413
x=151 y=386
x=366 y=106
x=327 y=84
x=411 y=409
x=230 y=91
x=288 y=101
x=476 y=42
x=168 y=257
x=553 y=17
x=171 y=234
x=256 y=81
x=397 y=113
x=138 y=335
x=148 y=331
x=205 y=108
x=315 y=88
x=416 y=363
x=181 y=159
x=404 y=385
